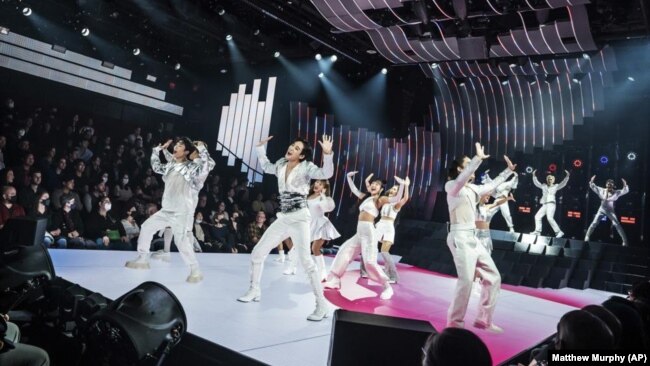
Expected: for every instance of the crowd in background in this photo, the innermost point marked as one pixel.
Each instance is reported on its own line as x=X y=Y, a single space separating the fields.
x=94 y=184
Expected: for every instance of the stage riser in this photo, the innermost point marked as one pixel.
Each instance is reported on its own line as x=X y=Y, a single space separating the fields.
x=526 y=260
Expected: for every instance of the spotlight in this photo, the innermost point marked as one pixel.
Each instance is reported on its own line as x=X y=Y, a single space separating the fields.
x=631 y=155
x=512 y=66
x=529 y=169
x=221 y=11
x=384 y=71
x=85 y=32
x=27 y=11
x=334 y=58
x=371 y=52
x=229 y=37
x=223 y=71
x=533 y=82
x=604 y=159
x=256 y=32
x=136 y=51
x=630 y=78
x=434 y=65
x=505 y=82
x=552 y=167
x=276 y=54
x=177 y=66
x=577 y=163
x=575 y=80
x=320 y=75
x=586 y=56
x=318 y=57
x=461 y=84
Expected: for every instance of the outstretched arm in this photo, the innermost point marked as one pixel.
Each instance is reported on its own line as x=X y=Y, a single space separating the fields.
x=536 y=181
x=625 y=189
x=353 y=187
x=500 y=201
x=156 y=165
x=463 y=177
x=327 y=170
x=564 y=181
x=202 y=165
x=267 y=165
x=486 y=188
x=593 y=185
x=405 y=198
x=400 y=191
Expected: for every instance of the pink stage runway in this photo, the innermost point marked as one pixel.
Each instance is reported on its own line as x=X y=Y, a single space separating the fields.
x=275 y=331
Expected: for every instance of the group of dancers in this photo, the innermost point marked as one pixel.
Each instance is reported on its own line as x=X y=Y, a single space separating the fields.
x=302 y=221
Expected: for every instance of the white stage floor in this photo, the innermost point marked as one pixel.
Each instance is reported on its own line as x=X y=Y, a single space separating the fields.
x=275 y=330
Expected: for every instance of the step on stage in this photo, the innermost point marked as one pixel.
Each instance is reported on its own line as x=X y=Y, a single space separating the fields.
x=275 y=331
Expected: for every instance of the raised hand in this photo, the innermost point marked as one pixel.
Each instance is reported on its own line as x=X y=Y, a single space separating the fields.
x=407 y=181
x=369 y=177
x=567 y=172
x=511 y=166
x=479 y=151
x=399 y=180
x=326 y=144
x=624 y=182
x=264 y=141
x=165 y=145
x=534 y=171
x=352 y=174
x=199 y=143
x=592 y=179
x=511 y=198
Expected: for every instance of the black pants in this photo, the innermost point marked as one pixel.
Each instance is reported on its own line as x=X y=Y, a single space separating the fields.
x=23 y=354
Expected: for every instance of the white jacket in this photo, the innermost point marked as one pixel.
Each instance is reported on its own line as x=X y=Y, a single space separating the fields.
x=548 y=192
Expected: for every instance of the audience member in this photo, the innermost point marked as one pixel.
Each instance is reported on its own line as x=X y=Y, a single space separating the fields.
x=256 y=229
x=67 y=188
x=27 y=195
x=455 y=347
x=9 y=207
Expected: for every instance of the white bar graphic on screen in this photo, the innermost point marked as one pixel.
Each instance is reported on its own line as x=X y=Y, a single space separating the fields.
x=248 y=157
x=236 y=124
x=229 y=123
x=243 y=127
x=222 y=126
x=258 y=136
x=266 y=122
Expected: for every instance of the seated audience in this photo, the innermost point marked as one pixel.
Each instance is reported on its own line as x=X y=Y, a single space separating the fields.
x=455 y=347
x=9 y=207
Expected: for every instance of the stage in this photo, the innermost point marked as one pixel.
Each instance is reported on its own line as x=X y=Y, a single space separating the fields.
x=275 y=331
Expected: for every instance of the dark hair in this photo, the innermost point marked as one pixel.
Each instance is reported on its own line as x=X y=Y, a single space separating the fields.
x=455 y=346
x=634 y=335
x=641 y=291
x=453 y=167
x=579 y=329
x=189 y=145
x=65 y=198
x=610 y=320
x=307 y=150
x=610 y=181
x=326 y=186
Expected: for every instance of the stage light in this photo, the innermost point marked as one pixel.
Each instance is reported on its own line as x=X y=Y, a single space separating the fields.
x=276 y=54
x=136 y=51
x=221 y=11
x=533 y=82
x=552 y=167
x=586 y=56
x=371 y=52
x=575 y=80
x=384 y=71
x=27 y=11
x=505 y=82
x=256 y=32
x=631 y=155
x=223 y=71
x=577 y=163
x=318 y=57
x=630 y=78
x=229 y=37
x=529 y=169
x=512 y=66
x=320 y=75
x=143 y=324
x=177 y=66
x=604 y=159
x=85 y=32
x=461 y=84
x=434 y=65
x=574 y=214
x=333 y=58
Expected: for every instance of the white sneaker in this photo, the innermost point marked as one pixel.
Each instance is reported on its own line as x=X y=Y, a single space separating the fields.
x=332 y=282
x=281 y=258
x=512 y=230
x=253 y=294
x=586 y=238
x=162 y=255
x=320 y=312
x=559 y=235
x=492 y=328
x=195 y=275
x=142 y=262
x=387 y=293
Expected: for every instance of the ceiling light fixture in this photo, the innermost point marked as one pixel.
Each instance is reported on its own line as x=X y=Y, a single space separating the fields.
x=85 y=32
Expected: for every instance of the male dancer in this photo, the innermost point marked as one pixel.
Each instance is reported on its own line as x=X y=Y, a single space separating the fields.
x=182 y=177
x=470 y=257
x=608 y=196
x=503 y=191
x=294 y=173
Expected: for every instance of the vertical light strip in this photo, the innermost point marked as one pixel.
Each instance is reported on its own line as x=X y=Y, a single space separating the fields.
x=222 y=127
x=250 y=143
x=244 y=131
x=236 y=124
x=268 y=108
x=229 y=125
x=258 y=134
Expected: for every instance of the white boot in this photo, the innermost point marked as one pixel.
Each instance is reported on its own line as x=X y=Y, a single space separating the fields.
x=332 y=281
x=512 y=230
x=391 y=269
x=161 y=255
x=387 y=293
x=281 y=258
x=559 y=234
x=142 y=262
x=320 y=267
x=321 y=304
x=291 y=262
x=253 y=294
x=195 y=274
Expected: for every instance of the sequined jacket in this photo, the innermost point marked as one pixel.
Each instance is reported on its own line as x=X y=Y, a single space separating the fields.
x=194 y=171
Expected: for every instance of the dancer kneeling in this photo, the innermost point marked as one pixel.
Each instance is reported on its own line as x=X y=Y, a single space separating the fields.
x=470 y=257
x=294 y=173
x=365 y=241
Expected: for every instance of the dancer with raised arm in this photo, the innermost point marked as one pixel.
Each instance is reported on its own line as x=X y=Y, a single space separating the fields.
x=182 y=178
x=365 y=240
x=470 y=257
x=484 y=215
x=548 y=202
x=320 y=202
x=385 y=229
x=503 y=191
x=608 y=196
x=294 y=173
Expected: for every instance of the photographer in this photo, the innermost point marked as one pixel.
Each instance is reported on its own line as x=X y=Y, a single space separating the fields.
x=17 y=354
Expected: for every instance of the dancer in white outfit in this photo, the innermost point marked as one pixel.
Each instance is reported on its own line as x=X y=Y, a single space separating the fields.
x=485 y=213
x=548 y=202
x=470 y=257
x=321 y=228
x=182 y=177
x=502 y=191
x=294 y=174
x=385 y=229
x=608 y=196
x=365 y=240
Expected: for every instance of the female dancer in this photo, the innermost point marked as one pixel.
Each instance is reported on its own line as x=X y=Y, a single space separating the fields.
x=386 y=229
x=322 y=230
x=548 y=202
x=470 y=257
x=484 y=217
x=608 y=196
x=502 y=191
x=364 y=240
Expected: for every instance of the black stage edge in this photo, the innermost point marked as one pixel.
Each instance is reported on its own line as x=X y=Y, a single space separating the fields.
x=533 y=261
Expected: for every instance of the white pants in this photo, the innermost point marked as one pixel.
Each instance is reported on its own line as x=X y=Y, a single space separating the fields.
x=547 y=209
x=612 y=217
x=485 y=238
x=505 y=212
x=294 y=225
x=471 y=259
x=364 y=242
x=180 y=224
